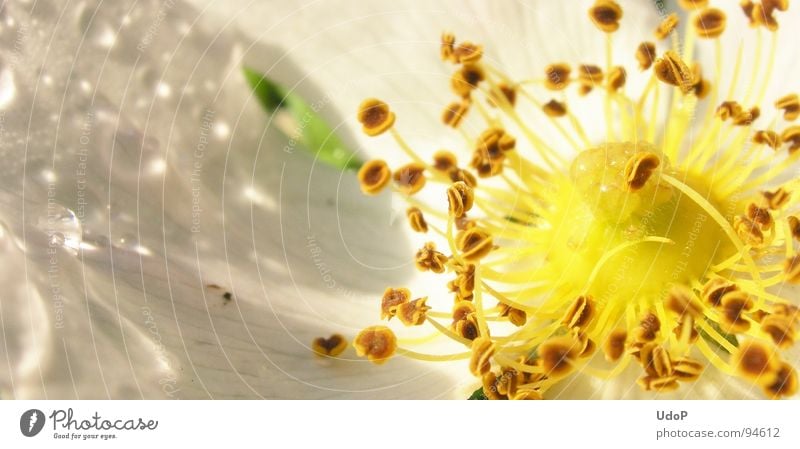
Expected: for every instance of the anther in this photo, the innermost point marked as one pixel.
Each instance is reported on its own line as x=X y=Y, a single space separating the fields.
x=616 y=78
x=658 y=384
x=681 y=300
x=474 y=244
x=667 y=26
x=558 y=354
x=755 y=361
x=746 y=118
x=468 y=327
x=639 y=169
x=655 y=360
x=377 y=343
x=693 y=4
x=373 y=176
x=447 y=43
x=391 y=300
x=428 y=258
x=329 y=347
x=579 y=313
x=791 y=135
x=465 y=80
x=780 y=328
x=444 y=161
x=515 y=316
x=413 y=313
x=416 y=219
x=614 y=346
x=794 y=226
x=605 y=15
x=503 y=93
x=557 y=76
x=785 y=383
x=715 y=289
x=671 y=70
x=462 y=310
x=791 y=269
x=734 y=305
x=760 y=216
x=455 y=112
x=790 y=104
x=777 y=199
x=459 y=198
x=589 y=76
x=467 y=52
x=710 y=23
x=767 y=137
x=375 y=117
x=687 y=369
x=459 y=174
x=646 y=55
x=648 y=328
x=410 y=178
x=554 y=108
x=748 y=231
x=482 y=351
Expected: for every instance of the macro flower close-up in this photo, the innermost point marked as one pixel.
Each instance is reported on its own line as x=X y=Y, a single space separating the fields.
x=339 y=199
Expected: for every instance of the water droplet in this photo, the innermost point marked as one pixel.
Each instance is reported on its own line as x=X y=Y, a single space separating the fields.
x=7 y=88
x=61 y=225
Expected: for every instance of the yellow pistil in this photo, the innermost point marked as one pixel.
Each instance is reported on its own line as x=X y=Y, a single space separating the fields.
x=653 y=245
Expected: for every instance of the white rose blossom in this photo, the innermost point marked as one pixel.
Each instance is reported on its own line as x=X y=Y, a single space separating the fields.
x=161 y=239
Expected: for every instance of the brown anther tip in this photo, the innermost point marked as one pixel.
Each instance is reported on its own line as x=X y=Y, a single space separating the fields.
x=658 y=384
x=767 y=137
x=468 y=327
x=755 y=361
x=410 y=178
x=448 y=41
x=761 y=14
x=416 y=220
x=646 y=55
x=462 y=310
x=459 y=174
x=639 y=168
x=791 y=135
x=482 y=351
x=776 y=199
x=715 y=289
x=760 y=216
x=780 y=328
x=474 y=244
x=710 y=23
x=467 y=52
x=329 y=347
x=459 y=198
x=503 y=95
x=590 y=75
x=682 y=301
x=794 y=226
x=791 y=269
x=605 y=15
x=616 y=78
x=579 y=313
x=558 y=354
x=376 y=343
x=375 y=117
x=746 y=118
x=687 y=369
x=614 y=346
x=790 y=104
x=728 y=109
x=693 y=4
x=557 y=76
x=748 y=231
x=656 y=360
x=667 y=26
x=392 y=298
x=734 y=306
x=671 y=70
x=785 y=383
x=413 y=313
x=466 y=79
x=648 y=328
x=373 y=176
x=444 y=161
x=455 y=112
x=515 y=316
x=554 y=108
x=428 y=259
